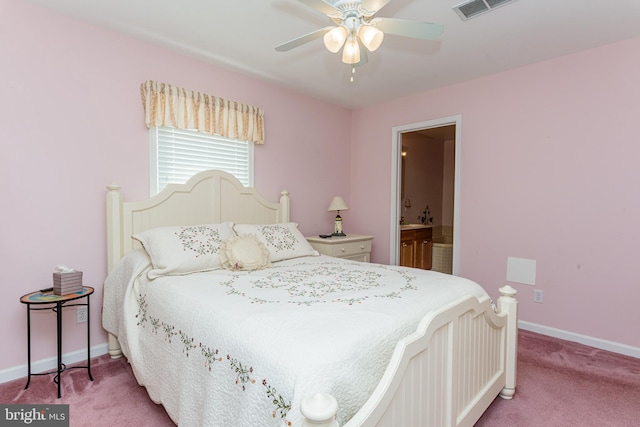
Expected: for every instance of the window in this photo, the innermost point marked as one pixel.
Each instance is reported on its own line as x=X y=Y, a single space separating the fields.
x=175 y=155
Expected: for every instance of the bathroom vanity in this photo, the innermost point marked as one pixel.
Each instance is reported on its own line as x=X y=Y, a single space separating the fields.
x=416 y=245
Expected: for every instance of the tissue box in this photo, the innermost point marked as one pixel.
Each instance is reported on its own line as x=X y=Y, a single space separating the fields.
x=67 y=283
x=65 y=278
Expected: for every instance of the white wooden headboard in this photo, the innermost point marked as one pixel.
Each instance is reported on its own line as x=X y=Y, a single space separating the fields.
x=209 y=197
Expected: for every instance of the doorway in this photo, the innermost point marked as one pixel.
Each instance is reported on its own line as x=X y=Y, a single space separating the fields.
x=402 y=205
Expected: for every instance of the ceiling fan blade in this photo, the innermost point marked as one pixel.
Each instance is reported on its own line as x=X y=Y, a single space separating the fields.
x=321 y=5
x=402 y=27
x=299 y=41
x=374 y=5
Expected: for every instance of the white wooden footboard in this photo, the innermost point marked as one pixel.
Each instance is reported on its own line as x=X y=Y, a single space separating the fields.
x=445 y=374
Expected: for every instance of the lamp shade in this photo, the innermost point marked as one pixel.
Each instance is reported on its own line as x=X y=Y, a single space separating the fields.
x=338 y=204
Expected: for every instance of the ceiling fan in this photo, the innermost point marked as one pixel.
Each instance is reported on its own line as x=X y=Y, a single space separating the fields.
x=356 y=27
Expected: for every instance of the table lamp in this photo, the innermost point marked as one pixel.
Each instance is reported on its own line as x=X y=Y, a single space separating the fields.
x=337 y=204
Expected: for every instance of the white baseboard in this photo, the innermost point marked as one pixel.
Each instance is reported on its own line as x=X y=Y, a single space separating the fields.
x=614 y=347
x=48 y=364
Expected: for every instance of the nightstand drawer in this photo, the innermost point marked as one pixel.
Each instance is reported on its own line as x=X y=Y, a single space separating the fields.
x=347 y=249
x=352 y=246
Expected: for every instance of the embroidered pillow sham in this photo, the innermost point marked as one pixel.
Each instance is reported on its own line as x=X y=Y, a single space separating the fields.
x=177 y=250
x=283 y=241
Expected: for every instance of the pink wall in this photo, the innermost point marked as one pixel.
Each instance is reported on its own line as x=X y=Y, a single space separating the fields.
x=550 y=172
x=72 y=122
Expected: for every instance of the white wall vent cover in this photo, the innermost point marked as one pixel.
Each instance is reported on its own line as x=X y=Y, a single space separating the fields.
x=472 y=8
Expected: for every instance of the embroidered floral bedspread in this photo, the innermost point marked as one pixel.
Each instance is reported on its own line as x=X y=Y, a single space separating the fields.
x=227 y=348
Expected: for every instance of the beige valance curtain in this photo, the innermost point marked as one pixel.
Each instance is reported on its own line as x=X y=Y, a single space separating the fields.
x=166 y=105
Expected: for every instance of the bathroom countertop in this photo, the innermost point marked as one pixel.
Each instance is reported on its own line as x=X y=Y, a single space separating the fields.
x=414 y=226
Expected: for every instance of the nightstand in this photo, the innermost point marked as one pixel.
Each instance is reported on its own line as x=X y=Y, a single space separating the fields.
x=49 y=301
x=352 y=246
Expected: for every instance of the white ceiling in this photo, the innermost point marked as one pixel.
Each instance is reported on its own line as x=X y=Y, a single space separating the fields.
x=242 y=34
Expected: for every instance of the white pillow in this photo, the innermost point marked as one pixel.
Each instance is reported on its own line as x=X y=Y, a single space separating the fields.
x=184 y=249
x=244 y=252
x=283 y=241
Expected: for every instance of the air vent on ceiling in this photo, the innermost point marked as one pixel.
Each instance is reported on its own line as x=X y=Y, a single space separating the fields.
x=472 y=8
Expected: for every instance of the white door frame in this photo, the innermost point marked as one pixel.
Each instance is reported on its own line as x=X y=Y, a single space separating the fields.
x=396 y=181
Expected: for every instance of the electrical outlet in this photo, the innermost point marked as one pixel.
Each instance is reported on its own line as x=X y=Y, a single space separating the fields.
x=537 y=295
x=81 y=315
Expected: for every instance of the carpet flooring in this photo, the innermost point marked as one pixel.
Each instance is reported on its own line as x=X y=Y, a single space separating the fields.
x=559 y=384
x=562 y=383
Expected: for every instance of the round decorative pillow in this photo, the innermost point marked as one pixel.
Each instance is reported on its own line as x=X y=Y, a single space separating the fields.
x=244 y=252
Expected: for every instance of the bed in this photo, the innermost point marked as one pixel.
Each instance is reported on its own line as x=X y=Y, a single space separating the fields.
x=269 y=332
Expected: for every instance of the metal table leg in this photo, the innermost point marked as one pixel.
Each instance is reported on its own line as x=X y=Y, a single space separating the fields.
x=89 y=338
x=28 y=346
x=59 y=334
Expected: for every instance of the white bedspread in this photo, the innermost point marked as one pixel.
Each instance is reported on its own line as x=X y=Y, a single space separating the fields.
x=229 y=348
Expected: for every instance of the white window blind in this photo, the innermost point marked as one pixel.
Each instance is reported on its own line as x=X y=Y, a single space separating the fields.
x=177 y=154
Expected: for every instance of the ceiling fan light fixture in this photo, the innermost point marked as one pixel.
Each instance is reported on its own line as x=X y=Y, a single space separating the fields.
x=370 y=36
x=335 y=38
x=351 y=51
